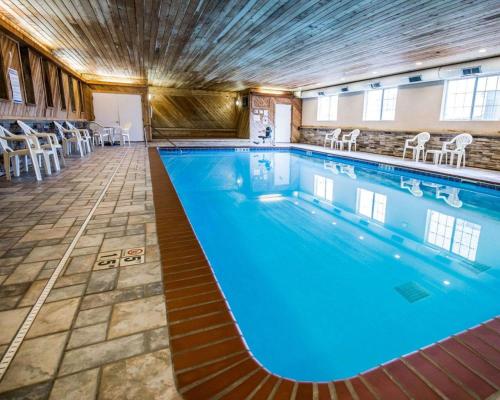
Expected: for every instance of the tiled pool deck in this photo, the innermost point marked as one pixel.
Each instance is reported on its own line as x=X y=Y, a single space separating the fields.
x=102 y=333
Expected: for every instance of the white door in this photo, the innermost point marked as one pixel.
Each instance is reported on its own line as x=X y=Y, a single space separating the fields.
x=282 y=123
x=116 y=109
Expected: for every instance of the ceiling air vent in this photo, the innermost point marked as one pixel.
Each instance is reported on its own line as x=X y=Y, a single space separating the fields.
x=471 y=71
x=416 y=78
x=344 y=89
x=321 y=93
x=375 y=85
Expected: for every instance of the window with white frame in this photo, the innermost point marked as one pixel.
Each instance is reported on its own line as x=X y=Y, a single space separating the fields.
x=380 y=104
x=327 y=108
x=476 y=98
x=323 y=187
x=455 y=234
x=371 y=204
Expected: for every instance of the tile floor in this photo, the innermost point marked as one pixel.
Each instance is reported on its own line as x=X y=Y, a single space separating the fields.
x=102 y=331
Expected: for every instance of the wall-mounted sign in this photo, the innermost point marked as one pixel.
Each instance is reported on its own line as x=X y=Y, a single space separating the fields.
x=15 y=84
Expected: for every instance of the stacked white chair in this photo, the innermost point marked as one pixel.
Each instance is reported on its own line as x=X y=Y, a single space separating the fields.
x=85 y=134
x=31 y=149
x=51 y=145
x=70 y=137
x=417 y=145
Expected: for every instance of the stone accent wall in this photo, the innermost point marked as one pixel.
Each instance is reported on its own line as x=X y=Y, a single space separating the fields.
x=484 y=152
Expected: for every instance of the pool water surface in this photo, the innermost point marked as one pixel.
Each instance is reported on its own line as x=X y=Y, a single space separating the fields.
x=332 y=268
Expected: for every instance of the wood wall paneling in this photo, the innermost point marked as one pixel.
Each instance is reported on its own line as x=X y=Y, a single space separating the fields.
x=263 y=101
x=41 y=93
x=193 y=113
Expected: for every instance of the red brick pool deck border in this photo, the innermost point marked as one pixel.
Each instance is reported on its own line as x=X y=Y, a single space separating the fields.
x=211 y=361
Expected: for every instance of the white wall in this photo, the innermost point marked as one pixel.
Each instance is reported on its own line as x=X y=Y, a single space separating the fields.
x=418 y=108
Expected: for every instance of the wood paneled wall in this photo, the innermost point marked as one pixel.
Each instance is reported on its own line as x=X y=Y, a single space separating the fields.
x=10 y=51
x=183 y=113
x=264 y=101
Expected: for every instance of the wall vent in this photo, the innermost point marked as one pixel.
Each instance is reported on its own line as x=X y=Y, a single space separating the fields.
x=375 y=85
x=471 y=71
x=416 y=78
x=321 y=93
x=344 y=89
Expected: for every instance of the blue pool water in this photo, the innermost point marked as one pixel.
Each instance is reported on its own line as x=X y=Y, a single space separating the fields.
x=332 y=268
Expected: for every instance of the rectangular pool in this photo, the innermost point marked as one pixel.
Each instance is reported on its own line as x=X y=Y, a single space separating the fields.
x=332 y=267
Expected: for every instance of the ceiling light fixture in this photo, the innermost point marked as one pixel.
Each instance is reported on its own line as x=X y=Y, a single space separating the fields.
x=418 y=63
x=482 y=50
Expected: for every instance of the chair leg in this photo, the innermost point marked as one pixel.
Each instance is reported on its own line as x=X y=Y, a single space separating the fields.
x=57 y=166
x=61 y=154
x=6 y=165
x=36 y=167
x=17 y=168
x=80 y=149
x=46 y=160
x=404 y=152
x=26 y=167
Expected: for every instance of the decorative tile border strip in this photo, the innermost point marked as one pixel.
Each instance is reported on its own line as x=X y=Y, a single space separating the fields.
x=380 y=166
x=211 y=361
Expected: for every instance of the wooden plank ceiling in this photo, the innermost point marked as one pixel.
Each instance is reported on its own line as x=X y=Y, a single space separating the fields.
x=235 y=44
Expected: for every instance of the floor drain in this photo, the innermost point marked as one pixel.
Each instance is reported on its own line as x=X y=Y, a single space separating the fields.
x=412 y=291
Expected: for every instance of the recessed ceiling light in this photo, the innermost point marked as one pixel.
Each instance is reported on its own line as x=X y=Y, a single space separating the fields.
x=397 y=256
x=482 y=50
x=446 y=282
x=361 y=238
x=418 y=63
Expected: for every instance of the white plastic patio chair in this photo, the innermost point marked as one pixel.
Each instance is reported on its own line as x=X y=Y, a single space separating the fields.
x=125 y=133
x=460 y=142
x=349 y=139
x=51 y=145
x=31 y=149
x=100 y=134
x=417 y=145
x=412 y=185
x=85 y=134
x=70 y=137
x=333 y=137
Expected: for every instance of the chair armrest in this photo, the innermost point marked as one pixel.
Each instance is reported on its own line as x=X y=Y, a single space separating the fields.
x=16 y=138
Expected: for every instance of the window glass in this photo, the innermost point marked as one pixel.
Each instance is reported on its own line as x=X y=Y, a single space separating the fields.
x=327 y=108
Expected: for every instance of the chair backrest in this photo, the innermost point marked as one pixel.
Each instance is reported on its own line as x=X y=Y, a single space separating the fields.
x=59 y=127
x=354 y=134
x=70 y=125
x=26 y=128
x=463 y=140
x=3 y=143
x=423 y=138
x=336 y=133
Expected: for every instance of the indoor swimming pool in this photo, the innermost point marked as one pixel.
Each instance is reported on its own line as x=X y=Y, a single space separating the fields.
x=332 y=267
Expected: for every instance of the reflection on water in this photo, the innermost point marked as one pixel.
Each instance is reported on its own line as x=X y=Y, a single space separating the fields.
x=323 y=182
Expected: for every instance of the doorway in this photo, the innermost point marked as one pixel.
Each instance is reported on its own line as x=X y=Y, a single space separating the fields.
x=116 y=109
x=282 y=123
